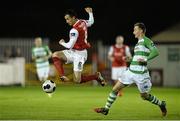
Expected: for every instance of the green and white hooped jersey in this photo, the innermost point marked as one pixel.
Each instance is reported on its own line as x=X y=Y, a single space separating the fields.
x=141 y=51
x=40 y=52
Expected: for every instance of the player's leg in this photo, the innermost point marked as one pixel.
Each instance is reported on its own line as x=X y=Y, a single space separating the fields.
x=120 y=73
x=40 y=73
x=114 y=75
x=78 y=63
x=120 y=93
x=59 y=57
x=151 y=98
x=77 y=77
x=144 y=87
x=81 y=78
x=46 y=73
x=97 y=76
x=117 y=73
x=124 y=81
x=111 y=98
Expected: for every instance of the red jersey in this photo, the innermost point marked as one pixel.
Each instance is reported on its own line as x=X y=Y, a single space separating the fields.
x=81 y=42
x=119 y=55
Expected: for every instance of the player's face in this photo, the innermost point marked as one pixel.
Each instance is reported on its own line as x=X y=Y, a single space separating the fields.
x=38 y=42
x=137 y=32
x=119 y=40
x=70 y=20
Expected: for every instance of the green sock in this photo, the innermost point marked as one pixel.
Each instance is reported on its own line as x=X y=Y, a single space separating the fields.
x=111 y=99
x=154 y=100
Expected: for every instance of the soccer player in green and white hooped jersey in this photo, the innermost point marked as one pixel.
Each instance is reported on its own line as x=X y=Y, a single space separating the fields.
x=137 y=72
x=41 y=54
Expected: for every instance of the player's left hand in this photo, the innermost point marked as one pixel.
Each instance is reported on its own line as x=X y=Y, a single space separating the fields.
x=142 y=60
x=88 y=10
x=61 y=41
x=127 y=59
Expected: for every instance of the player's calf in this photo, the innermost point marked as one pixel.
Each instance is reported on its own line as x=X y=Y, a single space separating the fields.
x=156 y=101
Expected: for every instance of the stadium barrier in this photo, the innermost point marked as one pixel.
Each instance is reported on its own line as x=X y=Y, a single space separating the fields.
x=12 y=72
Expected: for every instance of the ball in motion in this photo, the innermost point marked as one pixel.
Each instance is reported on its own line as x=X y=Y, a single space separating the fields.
x=49 y=86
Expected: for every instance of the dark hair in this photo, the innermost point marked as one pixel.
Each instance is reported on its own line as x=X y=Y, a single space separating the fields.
x=71 y=13
x=141 y=26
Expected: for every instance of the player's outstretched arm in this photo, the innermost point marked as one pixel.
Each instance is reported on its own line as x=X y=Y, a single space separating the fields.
x=73 y=38
x=153 y=50
x=91 y=17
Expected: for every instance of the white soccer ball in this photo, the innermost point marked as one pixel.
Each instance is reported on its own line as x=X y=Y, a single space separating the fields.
x=49 y=86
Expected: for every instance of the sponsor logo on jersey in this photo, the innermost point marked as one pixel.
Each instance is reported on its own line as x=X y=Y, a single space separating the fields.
x=73 y=34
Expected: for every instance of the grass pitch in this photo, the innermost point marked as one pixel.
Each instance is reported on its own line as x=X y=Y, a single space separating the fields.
x=77 y=102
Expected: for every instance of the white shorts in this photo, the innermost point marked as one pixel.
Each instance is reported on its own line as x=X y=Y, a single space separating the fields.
x=143 y=81
x=78 y=58
x=116 y=72
x=43 y=73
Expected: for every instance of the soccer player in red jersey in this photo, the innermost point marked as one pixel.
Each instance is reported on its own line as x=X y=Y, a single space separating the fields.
x=76 y=51
x=119 y=54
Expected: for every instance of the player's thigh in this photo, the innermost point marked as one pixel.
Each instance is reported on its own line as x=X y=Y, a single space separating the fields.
x=77 y=76
x=69 y=54
x=46 y=71
x=78 y=63
x=143 y=83
x=40 y=73
x=60 y=54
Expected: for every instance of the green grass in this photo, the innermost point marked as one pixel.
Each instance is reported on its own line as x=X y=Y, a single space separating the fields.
x=77 y=102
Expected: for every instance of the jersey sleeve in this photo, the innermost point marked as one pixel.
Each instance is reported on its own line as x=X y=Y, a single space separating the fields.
x=153 y=50
x=47 y=49
x=90 y=21
x=110 y=53
x=32 y=51
x=73 y=38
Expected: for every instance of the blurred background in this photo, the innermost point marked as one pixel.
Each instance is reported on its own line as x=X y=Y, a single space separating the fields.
x=22 y=21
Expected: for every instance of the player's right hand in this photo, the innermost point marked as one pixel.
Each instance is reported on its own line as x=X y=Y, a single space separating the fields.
x=112 y=59
x=88 y=10
x=61 y=41
x=127 y=59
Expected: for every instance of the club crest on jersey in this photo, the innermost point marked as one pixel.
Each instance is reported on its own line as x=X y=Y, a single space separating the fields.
x=73 y=34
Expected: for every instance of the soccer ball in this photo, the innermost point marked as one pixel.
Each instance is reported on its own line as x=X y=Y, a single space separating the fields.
x=49 y=86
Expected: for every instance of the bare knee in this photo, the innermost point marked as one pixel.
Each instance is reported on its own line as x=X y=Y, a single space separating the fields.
x=55 y=54
x=118 y=86
x=60 y=55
